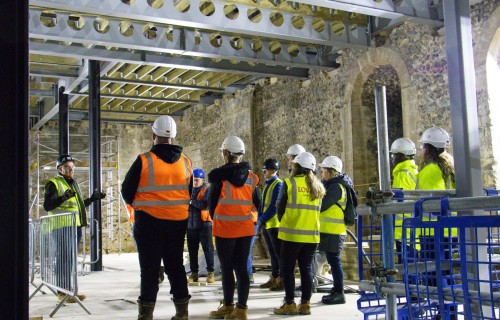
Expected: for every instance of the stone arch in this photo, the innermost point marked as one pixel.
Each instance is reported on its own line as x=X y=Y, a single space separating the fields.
x=366 y=64
x=487 y=67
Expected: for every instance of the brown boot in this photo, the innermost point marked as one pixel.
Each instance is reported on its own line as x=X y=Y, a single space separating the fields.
x=181 y=309
x=222 y=311
x=238 y=313
x=304 y=307
x=193 y=277
x=145 y=310
x=210 y=277
x=278 y=286
x=286 y=309
x=270 y=283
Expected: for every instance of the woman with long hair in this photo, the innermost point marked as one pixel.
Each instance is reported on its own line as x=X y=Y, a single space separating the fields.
x=298 y=211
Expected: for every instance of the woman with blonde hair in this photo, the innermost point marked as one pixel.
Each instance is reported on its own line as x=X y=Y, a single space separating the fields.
x=298 y=211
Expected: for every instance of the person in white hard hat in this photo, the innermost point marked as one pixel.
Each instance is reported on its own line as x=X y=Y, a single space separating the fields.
x=404 y=177
x=158 y=186
x=332 y=226
x=233 y=202
x=291 y=153
x=298 y=211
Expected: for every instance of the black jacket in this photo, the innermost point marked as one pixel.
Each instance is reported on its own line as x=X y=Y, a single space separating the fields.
x=167 y=152
x=234 y=173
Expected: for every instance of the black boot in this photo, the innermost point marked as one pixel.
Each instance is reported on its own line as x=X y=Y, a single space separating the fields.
x=334 y=298
x=145 y=310
x=181 y=308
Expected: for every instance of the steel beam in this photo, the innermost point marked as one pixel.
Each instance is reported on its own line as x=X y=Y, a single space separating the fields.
x=63 y=121
x=144 y=58
x=184 y=42
x=168 y=14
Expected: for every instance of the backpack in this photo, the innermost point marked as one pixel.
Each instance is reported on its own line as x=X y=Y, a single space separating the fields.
x=350 y=214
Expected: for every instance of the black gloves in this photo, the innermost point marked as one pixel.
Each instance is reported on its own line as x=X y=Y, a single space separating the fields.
x=97 y=196
x=68 y=194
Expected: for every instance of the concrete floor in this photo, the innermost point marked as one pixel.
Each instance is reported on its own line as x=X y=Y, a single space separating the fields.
x=112 y=294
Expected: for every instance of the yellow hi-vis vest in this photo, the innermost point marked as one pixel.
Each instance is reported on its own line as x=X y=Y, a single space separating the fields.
x=273 y=222
x=70 y=205
x=300 y=223
x=430 y=177
x=405 y=177
x=331 y=220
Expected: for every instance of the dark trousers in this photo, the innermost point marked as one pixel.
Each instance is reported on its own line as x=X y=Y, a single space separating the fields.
x=159 y=239
x=274 y=246
x=333 y=259
x=233 y=255
x=194 y=238
x=303 y=253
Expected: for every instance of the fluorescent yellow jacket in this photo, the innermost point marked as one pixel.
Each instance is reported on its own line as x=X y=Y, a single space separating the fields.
x=273 y=222
x=404 y=177
x=430 y=177
x=300 y=222
x=331 y=220
x=70 y=205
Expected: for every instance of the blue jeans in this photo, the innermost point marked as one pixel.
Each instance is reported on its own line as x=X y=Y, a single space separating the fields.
x=250 y=258
x=274 y=246
x=194 y=238
x=157 y=240
x=333 y=259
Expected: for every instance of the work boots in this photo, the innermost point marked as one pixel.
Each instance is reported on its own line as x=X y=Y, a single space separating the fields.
x=278 y=285
x=271 y=282
x=222 y=311
x=239 y=313
x=304 y=308
x=286 y=309
x=193 y=277
x=210 y=277
x=145 y=310
x=333 y=298
x=181 y=308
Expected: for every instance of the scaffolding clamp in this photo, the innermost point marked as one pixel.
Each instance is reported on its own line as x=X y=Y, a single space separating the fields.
x=379 y=274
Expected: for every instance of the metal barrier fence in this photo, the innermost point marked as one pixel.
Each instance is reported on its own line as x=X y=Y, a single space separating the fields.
x=83 y=258
x=58 y=257
x=419 y=271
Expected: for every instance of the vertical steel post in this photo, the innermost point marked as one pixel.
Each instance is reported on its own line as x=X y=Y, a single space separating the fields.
x=14 y=229
x=95 y=162
x=63 y=121
x=385 y=185
x=465 y=135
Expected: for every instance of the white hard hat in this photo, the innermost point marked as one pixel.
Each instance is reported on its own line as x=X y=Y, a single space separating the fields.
x=233 y=144
x=332 y=162
x=306 y=160
x=404 y=146
x=165 y=126
x=436 y=136
x=295 y=150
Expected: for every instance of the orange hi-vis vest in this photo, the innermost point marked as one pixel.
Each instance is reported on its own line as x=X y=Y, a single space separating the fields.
x=233 y=217
x=163 y=190
x=205 y=215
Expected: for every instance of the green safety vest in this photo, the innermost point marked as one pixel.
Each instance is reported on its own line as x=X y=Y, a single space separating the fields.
x=430 y=177
x=300 y=223
x=273 y=222
x=405 y=177
x=331 y=220
x=70 y=205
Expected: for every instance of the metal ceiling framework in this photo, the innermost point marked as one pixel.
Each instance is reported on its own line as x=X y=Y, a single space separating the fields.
x=163 y=56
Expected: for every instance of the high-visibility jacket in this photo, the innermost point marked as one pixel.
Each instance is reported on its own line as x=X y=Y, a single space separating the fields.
x=233 y=216
x=204 y=214
x=300 y=222
x=273 y=222
x=163 y=190
x=405 y=177
x=331 y=220
x=70 y=205
x=430 y=177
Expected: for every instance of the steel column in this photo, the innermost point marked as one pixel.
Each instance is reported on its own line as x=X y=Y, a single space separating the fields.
x=385 y=185
x=95 y=161
x=14 y=273
x=462 y=88
x=63 y=121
